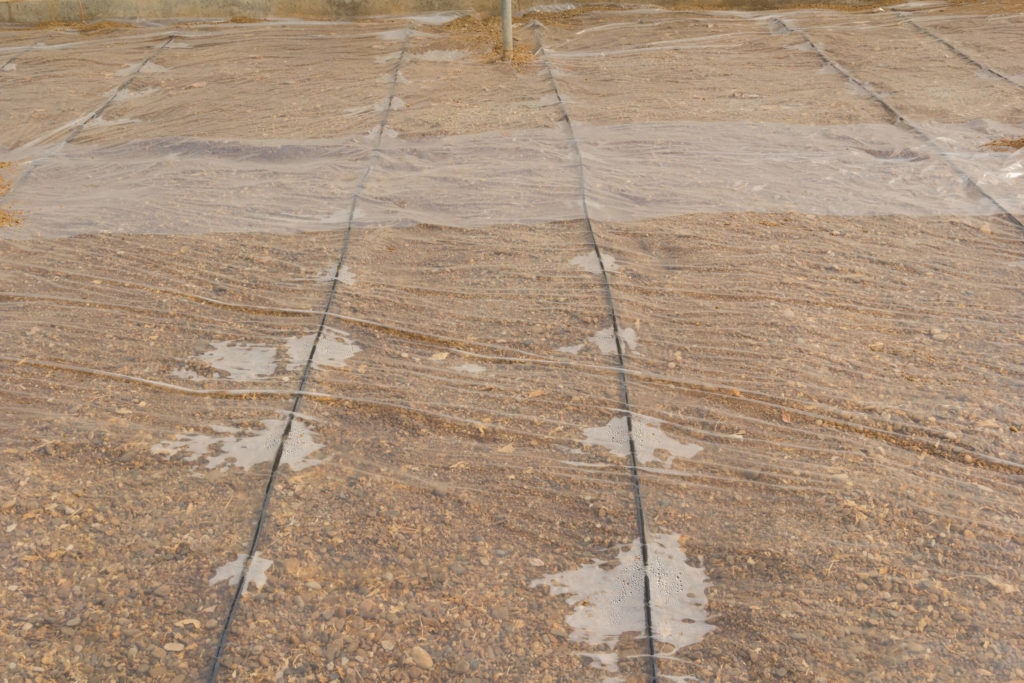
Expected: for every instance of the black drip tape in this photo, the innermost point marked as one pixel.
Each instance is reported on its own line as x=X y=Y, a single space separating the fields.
x=94 y=115
x=16 y=56
x=901 y=120
x=957 y=51
x=641 y=517
x=300 y=392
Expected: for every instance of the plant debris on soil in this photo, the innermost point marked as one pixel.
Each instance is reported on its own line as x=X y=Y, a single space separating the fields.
x=768 y=5
x=1006 y=144
x=7 y=218
x=483 y=33
x=87 y=28
x=564 y=17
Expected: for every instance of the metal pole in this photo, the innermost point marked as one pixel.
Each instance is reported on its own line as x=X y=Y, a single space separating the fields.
x=506 y=30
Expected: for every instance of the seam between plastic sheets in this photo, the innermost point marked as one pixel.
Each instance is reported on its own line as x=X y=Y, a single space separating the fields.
x=958 y=51
x=300 y=392
x=622 y=374
x=89 y=117
x=899 y=119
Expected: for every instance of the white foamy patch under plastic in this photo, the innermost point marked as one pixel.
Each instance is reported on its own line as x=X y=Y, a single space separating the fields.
x=232 y=572
x=387 y=132
x=398 y=34
x=559 y=7
x=605 y=340
x=393 y=102
x=228 y=447
x=441 y=55
x=332 y=351
x=592 y=264
x=471 y=368
x=242 y=362
x=607 y=598
x=648 y=439
x=613 y=437
x=133 y=94
x=246 y=362
x=345 y=275
x=574 y=349
x=392 y=78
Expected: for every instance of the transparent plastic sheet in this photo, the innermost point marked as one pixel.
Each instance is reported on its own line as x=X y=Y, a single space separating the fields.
x=73 y=76
x=817 y=321
x=992 y=38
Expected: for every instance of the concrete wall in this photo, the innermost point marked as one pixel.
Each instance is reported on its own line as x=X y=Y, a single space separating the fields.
x=39 y=11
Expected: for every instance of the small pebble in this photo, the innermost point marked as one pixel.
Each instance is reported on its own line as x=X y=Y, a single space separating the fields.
x=421 y=658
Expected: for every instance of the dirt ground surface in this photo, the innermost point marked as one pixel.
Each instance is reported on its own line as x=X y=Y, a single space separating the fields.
x=684 y=347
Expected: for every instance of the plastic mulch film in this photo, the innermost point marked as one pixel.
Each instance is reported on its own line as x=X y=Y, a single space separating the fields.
x=684 y=348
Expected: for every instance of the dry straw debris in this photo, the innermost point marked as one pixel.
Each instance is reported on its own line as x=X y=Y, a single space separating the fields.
x=484 y=33
x=83 y=27
x=7 y=218
x=1005 y=144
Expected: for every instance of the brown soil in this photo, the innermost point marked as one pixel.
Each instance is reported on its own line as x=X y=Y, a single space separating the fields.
x=849 y=380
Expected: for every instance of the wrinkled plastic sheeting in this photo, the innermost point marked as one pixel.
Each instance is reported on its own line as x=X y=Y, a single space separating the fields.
x=817 y=314
x=634 y=171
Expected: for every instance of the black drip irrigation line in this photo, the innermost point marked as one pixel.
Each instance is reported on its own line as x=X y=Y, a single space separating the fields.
x=16 y=56
x=958 y=51
x=96 y=113
x=300 y=392
x=901 y=120
x=641 y=517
